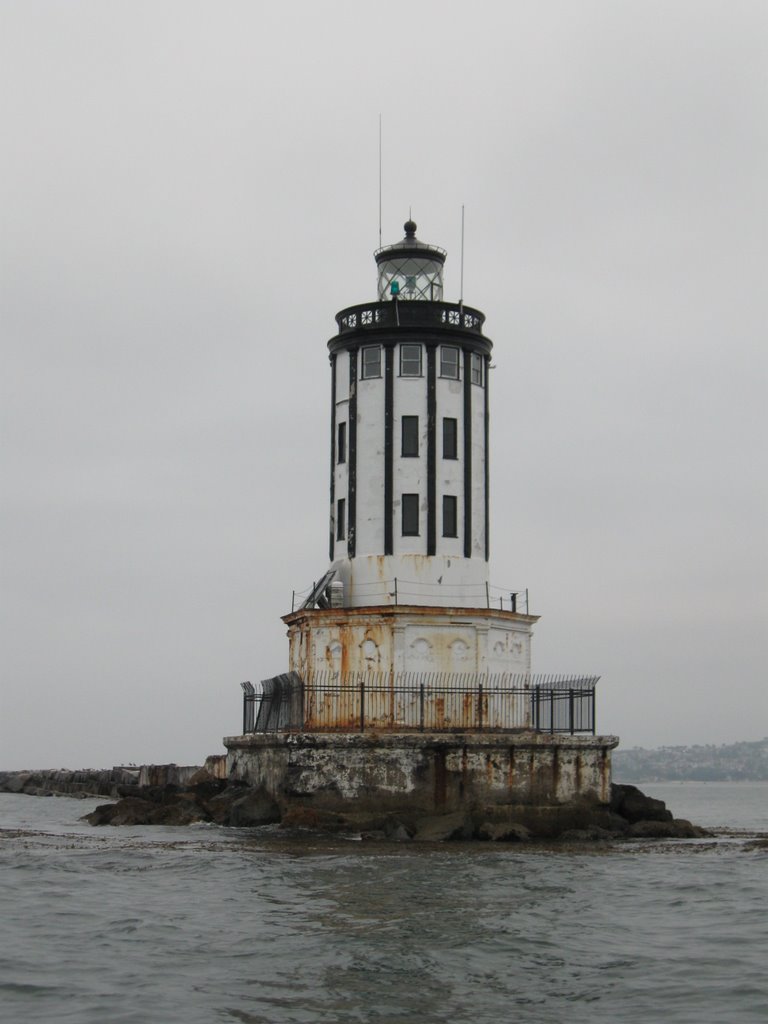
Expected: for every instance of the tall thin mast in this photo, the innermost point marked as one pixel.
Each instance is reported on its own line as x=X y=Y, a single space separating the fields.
x=379 y=180
x=461 y=289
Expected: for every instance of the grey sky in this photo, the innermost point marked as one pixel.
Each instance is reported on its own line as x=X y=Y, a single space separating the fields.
x=189 y=194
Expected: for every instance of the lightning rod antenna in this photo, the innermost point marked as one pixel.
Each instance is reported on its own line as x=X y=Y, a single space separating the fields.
x=379 y=180
x=461 y=290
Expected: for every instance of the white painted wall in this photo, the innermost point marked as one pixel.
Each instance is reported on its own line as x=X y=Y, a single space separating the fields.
x=410 y=474
x=447 y=578
x=450 y=472
x=370 y=466
x=478 y=471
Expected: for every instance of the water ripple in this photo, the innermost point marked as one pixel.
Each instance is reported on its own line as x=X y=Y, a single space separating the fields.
x=188 y=926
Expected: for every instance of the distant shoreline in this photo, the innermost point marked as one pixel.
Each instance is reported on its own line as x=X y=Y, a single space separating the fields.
x=730 y=762
x=625 y=779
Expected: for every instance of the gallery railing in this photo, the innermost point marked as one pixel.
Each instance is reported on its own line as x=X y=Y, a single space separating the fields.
x=415 y=592
x=416 y=702
x=372 y=316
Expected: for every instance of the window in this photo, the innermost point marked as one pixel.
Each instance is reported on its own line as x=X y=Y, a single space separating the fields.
x=410 y=515
x=477 y=369
x=341 y=444
x=410 y=360
x=340 y=519
x=449 y=516
x=450 y=438
x=449 y=362
x=410 y=437
x=371 y=361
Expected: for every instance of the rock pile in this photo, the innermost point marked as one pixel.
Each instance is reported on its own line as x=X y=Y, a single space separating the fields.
x=64 y=782
x=202 y=799
x=205 y=798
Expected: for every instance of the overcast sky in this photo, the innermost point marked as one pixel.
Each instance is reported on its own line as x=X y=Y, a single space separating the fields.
x=189 y=193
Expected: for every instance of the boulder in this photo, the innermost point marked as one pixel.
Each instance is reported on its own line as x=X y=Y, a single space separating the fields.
x=585 y=835
x=633 y=805
x=396 y=832
x=177 y=814
x=14 y=782
x=440 y=827
x=615 y=824
x=202 y=775
x=135 y=811
x=506 y=832
x=253 y=809
x=219 y=806
x=677 y=828
x=128 y=811
x=301 y=816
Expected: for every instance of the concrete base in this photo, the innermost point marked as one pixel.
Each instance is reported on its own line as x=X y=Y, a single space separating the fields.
x=521 y=775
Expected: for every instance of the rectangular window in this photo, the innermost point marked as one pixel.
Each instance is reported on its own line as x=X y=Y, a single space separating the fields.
x=410 y=515
x=450 y=438
x=341 y=526
x=371 y=362
x=450 y=528
x=410 y=435
x=341 y=444
x=477 y=369
x=449 y=362
x=410 y=360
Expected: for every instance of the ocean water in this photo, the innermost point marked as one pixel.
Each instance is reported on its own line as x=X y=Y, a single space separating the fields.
x=203 y=924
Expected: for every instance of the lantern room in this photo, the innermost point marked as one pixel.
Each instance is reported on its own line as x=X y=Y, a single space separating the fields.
x=410 y=269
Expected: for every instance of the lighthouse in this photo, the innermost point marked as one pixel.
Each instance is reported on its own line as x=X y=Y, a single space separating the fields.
x=407 y=588
x=409 y=472
x=409 y=688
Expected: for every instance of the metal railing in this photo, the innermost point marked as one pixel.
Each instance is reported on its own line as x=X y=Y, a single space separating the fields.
x=421 y=702
x=415 y=592
x=402 y=313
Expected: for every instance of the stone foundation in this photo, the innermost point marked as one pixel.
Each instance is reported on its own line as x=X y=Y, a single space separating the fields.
x=523 y=775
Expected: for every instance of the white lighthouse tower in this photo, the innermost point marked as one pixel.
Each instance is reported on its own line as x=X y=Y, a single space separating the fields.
x=409 y=687
x=408 y=588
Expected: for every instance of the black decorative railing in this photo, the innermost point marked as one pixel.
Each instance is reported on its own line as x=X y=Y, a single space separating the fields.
x=404 y=313
x=421 y=702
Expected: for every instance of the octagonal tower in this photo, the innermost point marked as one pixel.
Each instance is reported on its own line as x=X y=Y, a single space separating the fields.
x=409 y=439
x=407 y=589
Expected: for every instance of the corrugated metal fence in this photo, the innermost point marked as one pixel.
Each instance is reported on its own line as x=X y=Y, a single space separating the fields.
x=422 y=702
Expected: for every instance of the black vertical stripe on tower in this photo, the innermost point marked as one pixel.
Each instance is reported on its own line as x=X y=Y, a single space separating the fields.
x=486 y=461
x=467 y=454
x=333 y=454
x=431 y=450
x=389 y=403
x=352 y=455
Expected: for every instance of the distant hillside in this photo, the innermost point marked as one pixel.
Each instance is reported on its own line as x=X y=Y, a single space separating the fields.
x=730 y=762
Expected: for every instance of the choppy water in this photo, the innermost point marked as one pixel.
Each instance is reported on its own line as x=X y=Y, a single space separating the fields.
x=202 y=924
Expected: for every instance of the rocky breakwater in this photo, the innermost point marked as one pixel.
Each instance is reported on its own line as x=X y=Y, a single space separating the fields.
x=631 y=814
x=84 y=782
x=203 y=798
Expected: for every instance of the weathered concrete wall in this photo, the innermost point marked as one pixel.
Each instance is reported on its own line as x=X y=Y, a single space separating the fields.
x=167 y=774
x=409 y=639
x=216 y=765
x=426 y=772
